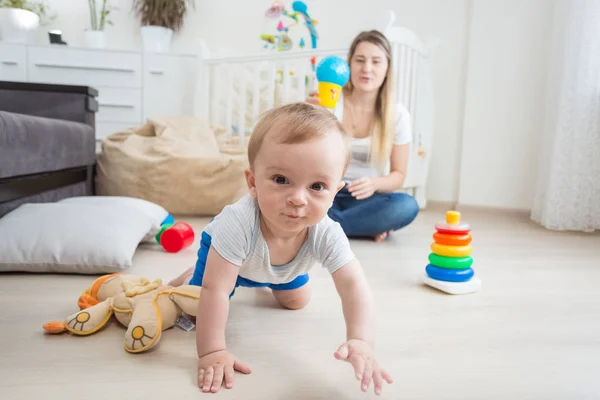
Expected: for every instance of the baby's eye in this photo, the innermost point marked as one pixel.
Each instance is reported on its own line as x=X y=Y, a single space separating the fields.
x=318 y=187
x=280 y=180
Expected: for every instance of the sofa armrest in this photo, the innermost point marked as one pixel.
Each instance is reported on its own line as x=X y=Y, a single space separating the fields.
x=44 y=160
x=64 y=102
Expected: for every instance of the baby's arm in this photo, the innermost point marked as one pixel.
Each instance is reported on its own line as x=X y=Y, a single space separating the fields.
x=357 y=304
x=215 y=362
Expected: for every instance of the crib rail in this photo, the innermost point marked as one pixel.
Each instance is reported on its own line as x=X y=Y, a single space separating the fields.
x=235 y=90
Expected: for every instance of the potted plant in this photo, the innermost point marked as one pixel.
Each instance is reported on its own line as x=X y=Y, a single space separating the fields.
x=96 y=37
x=19 y=19
x=159 y=20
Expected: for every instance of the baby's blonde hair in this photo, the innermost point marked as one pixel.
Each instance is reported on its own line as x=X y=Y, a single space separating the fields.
x=298 y=123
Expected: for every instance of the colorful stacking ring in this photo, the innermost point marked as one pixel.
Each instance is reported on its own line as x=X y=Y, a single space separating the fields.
x=452 y=224
x=459 y=230
x=452 y=240
x=449 y=275
x=451 y=251
x=450 y=262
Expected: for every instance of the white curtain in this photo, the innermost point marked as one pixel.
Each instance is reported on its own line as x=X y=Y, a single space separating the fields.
x=568 y=188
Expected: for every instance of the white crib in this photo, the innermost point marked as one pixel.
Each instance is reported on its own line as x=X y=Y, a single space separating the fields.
x=233 y=91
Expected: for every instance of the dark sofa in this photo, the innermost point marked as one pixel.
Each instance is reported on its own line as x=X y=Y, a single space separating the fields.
x=47 y=143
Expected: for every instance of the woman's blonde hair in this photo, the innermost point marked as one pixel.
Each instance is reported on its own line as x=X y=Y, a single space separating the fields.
x=382 y=130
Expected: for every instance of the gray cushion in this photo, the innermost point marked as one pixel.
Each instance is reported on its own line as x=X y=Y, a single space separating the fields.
x=30 y=145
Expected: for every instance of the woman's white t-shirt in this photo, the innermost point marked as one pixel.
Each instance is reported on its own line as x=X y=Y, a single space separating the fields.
x=360 y=166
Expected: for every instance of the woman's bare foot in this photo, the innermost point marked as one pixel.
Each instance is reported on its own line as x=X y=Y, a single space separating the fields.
x=183 y=279
x=382 y=236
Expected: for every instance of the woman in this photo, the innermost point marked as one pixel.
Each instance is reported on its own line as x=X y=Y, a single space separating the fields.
x=381 y=131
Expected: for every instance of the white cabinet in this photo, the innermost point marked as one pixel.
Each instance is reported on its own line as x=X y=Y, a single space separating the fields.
x=13 y=62
x=63 y=65
x=132 y=86
x=119 y=105
x=163 y=80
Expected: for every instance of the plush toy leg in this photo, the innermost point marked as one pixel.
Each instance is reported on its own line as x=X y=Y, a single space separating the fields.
x=186 y=297
x=55 y=327
x=90 y=320
x=145 y=328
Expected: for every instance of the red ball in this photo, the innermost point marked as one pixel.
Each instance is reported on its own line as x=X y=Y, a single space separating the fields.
x=177 y=237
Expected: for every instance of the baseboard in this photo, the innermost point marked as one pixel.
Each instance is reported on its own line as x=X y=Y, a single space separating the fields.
x=450 y=205
x=517 y=212
x=436 y=205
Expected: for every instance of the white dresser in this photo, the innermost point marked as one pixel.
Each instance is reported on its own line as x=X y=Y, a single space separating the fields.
x=132 y=86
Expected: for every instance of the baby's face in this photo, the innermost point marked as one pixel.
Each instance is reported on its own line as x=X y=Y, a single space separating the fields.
x=295 y=184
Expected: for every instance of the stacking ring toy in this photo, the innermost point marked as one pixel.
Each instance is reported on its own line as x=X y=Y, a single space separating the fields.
x=450 y=262
x=449 y=275
x=451 y=251
x=452 y=240
x=452 y=224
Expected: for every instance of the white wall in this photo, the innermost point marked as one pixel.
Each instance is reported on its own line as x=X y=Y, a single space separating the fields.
x=238 y=23
x=504 y=58
x=503 y=111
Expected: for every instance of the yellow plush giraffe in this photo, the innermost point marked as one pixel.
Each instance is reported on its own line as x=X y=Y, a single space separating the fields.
x=145 y=308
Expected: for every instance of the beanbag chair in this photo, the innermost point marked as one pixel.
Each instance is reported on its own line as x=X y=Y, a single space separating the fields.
x=174 y=161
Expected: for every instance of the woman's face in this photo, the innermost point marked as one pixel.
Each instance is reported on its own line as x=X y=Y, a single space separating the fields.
x=368 y=67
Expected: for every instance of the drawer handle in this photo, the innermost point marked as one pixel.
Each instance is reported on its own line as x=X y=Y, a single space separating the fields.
x=157 y=71
x=9 y=62
x=116 y=105
x=86 y=67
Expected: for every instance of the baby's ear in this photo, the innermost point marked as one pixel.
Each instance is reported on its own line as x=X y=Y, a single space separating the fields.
x=251 y=182
x=340 y=186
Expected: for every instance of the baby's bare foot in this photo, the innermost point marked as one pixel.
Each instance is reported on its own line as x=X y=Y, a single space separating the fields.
x=183 y=278
x=382 y=236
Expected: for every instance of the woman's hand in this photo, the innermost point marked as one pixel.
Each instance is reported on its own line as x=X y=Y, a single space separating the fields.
x=313 y=97
x=362 y=188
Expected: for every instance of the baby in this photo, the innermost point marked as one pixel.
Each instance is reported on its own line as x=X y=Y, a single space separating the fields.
x=273 y=236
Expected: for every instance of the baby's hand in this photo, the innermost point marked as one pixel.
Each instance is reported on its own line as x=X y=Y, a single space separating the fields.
x=360 y=355
x=215 y=367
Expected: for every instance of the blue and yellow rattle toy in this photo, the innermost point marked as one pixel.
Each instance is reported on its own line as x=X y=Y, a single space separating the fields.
x=449 y=268
x=332 y=73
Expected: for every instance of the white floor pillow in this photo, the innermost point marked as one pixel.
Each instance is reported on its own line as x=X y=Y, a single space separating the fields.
x=72 y=237
x=153 y=211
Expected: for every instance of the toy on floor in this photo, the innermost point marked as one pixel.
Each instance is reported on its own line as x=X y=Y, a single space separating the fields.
x=145 y=308
x=332 y=73
x=175 y=236
x=449 y=268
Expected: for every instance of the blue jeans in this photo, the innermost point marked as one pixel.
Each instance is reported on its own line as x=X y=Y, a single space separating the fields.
x=380 y=213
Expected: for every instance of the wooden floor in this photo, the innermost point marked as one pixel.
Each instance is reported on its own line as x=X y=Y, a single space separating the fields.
x=532 y=332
